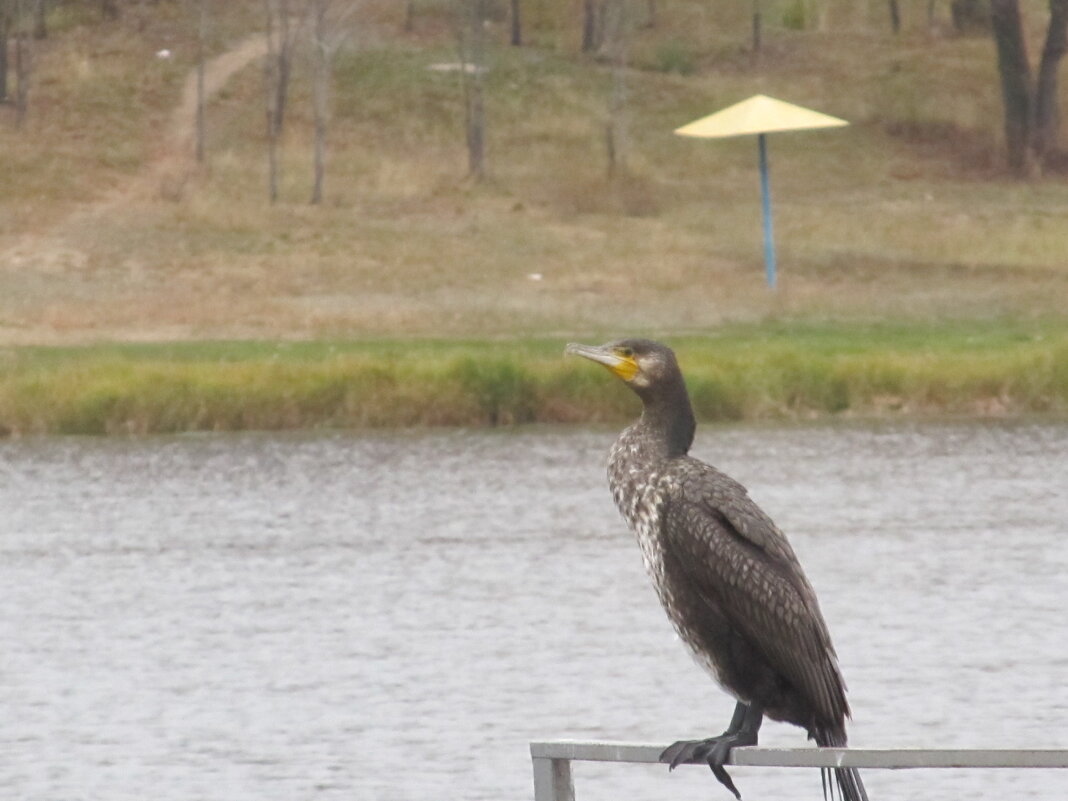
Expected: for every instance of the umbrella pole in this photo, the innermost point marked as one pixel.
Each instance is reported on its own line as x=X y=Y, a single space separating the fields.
x=765 y=197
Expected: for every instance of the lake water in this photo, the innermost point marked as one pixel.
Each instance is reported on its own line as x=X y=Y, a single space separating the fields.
x=395 y=616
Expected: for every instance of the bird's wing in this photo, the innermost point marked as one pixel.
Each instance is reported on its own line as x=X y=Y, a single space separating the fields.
x=742 y=564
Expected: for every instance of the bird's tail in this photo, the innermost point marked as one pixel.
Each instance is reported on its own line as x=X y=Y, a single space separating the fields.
x=850 y=787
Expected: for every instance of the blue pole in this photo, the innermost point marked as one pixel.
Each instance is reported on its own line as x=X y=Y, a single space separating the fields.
x=765 y=197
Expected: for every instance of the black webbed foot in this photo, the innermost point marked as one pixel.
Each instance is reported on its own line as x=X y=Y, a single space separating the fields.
x=715 y=751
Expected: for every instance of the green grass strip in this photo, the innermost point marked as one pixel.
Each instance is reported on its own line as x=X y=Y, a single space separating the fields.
x=771 y=371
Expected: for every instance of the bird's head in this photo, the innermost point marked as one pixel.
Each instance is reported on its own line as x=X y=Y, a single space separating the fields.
x=640 y=363
x=650 y=369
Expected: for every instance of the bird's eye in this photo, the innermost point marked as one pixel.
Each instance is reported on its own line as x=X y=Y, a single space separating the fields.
x=626 y=353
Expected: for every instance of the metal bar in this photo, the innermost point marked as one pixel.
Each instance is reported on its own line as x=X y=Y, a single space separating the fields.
x=892 y=758
x=765 y=200
x=552 y=779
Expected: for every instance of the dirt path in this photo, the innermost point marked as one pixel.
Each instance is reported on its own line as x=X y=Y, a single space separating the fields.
x=167 y=173
x=45 y=293
x=163 y=176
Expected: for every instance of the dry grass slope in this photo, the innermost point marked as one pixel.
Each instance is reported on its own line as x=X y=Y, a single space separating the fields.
x=903 y=216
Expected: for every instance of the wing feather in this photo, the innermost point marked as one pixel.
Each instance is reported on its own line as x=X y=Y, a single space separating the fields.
x=740 y=562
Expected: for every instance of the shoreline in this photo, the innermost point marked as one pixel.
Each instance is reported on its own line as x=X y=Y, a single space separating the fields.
x=771 y=371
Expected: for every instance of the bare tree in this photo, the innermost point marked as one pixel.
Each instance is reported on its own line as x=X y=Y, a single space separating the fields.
x=895 y=16
x=320 y=87
x=1047 y=109
x=202 y=35
x=1015 y=72
x=329 y=29
x=471 y=35
x=1031 y=109
x=517 y=24
x=24 y=12
x=270 y=83
x=6 y=22
x=593 y=13
x=758 y=24
x=13 y=26
x=40 y=23
x=281 y=37
x=616 y=28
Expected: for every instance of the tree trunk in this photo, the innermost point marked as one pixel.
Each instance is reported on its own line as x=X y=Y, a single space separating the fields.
x=895 y=17
x=756 y=26
x=280 y=53
x=23 y=61
x=320 y=98
x=616 y=133
x=476 y=129
x=472 y=65
x=284 y=56
x=5 y=32
x=202 y=34
x=276 y=72
x=270 y=77
x=517 y=25
x=409 y=16
x=590 y=25
x=1047 y=112
x=1015 y=75
x=40 y=24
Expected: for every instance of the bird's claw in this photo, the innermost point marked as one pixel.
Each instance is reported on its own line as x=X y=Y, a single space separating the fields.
x=688 y=751
x=721 y=774
x=714 y=751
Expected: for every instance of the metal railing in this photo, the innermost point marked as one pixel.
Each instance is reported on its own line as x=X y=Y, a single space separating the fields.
x=552 y=759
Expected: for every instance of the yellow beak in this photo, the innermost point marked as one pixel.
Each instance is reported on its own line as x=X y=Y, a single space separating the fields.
x=623 y=366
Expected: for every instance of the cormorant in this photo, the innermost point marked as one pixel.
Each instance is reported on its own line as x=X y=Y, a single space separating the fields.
x=726 y=575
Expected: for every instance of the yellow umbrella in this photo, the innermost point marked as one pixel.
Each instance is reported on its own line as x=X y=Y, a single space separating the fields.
x=760 y=115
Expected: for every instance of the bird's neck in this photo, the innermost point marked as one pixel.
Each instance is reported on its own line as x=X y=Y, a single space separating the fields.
x=668 y=418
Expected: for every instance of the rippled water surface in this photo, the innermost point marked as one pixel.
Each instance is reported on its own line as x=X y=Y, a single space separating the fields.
x=395 y=616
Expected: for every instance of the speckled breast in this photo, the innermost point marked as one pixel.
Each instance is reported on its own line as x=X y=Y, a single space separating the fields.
x=640 y=487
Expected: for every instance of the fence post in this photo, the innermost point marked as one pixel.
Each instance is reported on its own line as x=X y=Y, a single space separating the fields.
x=552 y=780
